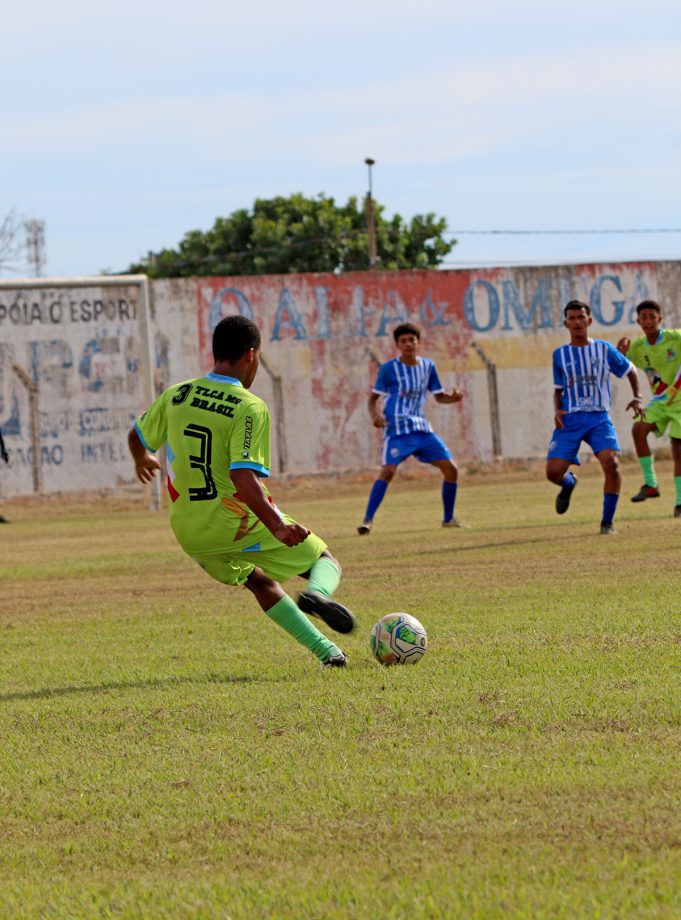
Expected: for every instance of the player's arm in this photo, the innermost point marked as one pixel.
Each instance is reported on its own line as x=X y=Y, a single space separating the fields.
x=445 y=398
x=558 y=411
x=438 y=391
x=145 y=462
x=636 y=404
x=675 y=386
x=247 y=485
x=377 y=417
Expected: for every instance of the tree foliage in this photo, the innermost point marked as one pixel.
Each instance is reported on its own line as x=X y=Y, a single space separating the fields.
x=298 y=234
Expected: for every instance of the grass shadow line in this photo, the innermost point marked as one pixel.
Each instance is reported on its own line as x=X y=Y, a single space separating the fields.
x=45 y=693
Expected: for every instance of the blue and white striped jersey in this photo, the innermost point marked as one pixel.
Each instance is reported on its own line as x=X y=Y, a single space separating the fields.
x=405 y=388
x=582 y=372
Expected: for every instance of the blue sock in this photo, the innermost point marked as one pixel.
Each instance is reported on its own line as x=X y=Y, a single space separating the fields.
x=569 y=481
x=375 y=498
x=448 y=499
x=609 y=507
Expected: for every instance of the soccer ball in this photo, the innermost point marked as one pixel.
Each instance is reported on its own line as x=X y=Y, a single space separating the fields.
x=398 y=638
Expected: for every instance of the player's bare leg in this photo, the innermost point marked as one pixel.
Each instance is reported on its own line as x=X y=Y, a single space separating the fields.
x=609 y=461
x=649 y=489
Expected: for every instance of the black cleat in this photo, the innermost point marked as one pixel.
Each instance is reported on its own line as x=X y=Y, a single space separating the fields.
x=646 y=492
x=334 y=614
x=564 y=496
x=364 y=528
x=338 y=661
x=608 y=530
x=677 y=510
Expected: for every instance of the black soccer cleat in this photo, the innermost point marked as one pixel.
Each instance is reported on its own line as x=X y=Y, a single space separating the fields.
x=564 y=496
x=677 y=510
x=338 y=661
x=334 y=614
x=607 y=530
x=646 y=492
x=364 y=528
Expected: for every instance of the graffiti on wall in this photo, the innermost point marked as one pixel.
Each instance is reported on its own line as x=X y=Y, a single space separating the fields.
x=324 y=336
x=328 y=333
x=306 y=308
x=83 y=354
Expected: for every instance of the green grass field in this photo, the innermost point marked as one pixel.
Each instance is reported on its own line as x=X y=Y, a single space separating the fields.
x=168 y=752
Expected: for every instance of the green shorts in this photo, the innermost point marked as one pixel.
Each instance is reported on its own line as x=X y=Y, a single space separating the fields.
x=662 y=414
x=276 y=559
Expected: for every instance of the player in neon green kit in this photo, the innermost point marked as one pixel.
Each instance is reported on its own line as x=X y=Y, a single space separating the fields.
x=217 y=437
x=658 y=353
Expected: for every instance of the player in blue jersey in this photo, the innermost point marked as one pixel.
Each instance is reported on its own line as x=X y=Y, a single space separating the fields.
x=404 y=383
x=582 y=400
x=5 y=457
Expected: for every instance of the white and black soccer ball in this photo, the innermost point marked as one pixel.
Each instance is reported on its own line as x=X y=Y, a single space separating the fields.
x=398 y=638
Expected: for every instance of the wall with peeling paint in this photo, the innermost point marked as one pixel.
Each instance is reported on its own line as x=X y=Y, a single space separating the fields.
x=323 y=337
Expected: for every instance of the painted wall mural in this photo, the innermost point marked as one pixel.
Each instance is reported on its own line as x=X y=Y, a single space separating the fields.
x=323 y=338
x=81 y=350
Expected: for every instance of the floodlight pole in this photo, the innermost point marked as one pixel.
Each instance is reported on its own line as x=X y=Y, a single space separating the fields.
x=371 y=222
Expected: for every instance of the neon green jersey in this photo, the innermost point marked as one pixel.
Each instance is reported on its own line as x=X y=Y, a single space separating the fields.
x=661 y=361
x=210 y=425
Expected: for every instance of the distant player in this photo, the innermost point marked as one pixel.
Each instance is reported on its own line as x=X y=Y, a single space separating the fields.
x=5 y=456
x=658 y=353
x=404 y=383
x=582 y=400
x=217 y=437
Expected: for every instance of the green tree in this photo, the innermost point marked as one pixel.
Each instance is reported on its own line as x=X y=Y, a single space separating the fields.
x=298 y=234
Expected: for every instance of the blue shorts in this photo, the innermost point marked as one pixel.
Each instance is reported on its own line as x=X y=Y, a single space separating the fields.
x=595 y=428
x=424 y=445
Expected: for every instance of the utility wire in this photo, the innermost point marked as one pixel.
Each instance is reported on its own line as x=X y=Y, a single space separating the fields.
x=353 y=235
x=561 y=232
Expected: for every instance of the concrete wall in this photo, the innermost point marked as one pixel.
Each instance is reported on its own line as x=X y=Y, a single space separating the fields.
x=323 y=338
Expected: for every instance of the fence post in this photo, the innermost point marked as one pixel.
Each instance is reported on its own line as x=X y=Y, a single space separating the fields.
x=493 y=394
x=148 y=376
x=278 y=406
x=32 y=389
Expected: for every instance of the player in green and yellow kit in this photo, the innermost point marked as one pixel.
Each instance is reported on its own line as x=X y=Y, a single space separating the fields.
x=217 y=438
x=658 y=353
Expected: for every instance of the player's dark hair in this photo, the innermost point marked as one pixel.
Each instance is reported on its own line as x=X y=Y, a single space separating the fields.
x=406 y=329
x=576 y=305
x=233 y=336
x=649 y=305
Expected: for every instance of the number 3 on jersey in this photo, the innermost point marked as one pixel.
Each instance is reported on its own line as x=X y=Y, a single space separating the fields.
x=201 y=462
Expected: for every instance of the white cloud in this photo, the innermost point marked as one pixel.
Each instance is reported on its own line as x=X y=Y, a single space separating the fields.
x=465 y=110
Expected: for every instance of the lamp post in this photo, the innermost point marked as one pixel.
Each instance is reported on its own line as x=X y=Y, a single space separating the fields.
x=371 y=223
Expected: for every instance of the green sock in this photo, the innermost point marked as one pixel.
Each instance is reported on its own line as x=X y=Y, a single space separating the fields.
x=677 y=484
x=325 y=576
x=648 y=467
x=286 y=614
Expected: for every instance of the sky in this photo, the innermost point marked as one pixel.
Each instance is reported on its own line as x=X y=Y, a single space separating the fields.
x=127 y=124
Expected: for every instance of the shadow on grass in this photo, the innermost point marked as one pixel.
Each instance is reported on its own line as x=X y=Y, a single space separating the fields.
x=496 y=544
x=47 y=692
